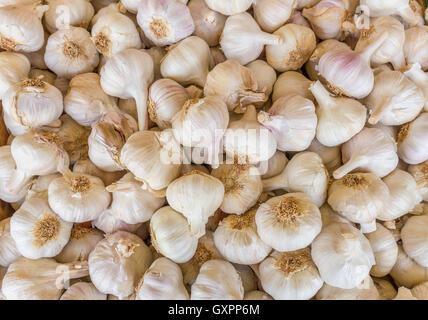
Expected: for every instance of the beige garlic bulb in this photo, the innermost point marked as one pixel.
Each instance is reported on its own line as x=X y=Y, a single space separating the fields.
x=9 y=251
x=385 y=288
x=83 y=291
x=39 y=232
x=66 y=13
x=41 y=279
x=21 y=28
x=171 y=235
x=305 y=172
x=293 y=122
x=162 y=281
x=157 y=54
x=270 y=15
x=292 y=82
x=249 y=278
x=414 y=238
x=371 y=150
x=274 y=166
x=229 y=8
x=406 y=272
x=131 y=202
x=331 y=156
x=412 y=138
x=197 y=196
x=37 y=58
x=404 y=294
x=257 y=295
x=4 y=3
x=46 y=75
x=343 y=255
x=298 y=44
x=82 y=242
x=118 y=262
x=329 y=216
x=108 y=222
x=15 y=68
x=415 y=73
x=217 y=279
x=420 y=291
x=265 y=75
x=290 y=275
x=415 y=44
x=395 y=7
x=365 y=291
x=243 y=40
x=187 y=62
x=420 y=174
x=113 y=32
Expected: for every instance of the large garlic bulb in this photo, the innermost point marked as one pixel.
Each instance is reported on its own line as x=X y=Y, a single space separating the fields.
x=15 y=68
x=412 y=147
x=270 y=15
x=414 y=238
x=66 y=13
x=83 y=291
x=8 y=250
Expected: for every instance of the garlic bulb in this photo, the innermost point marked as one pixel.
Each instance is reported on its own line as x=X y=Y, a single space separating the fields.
x=292 y=82
x=41 y=279
x=290 y=275
x=395 y=7
x=21 y=28
x=217 y=279
x=46 y=75
x=343 y=255
x=131 y=202
x=305 y=172
x=331 y=156
x=248 y=141
x=420 y=291
x=257 y=295
x=165 y=22
x=197 y=196
x=31 y=103
x=237 y=240
x=366 y=291
x=40 y=185
x=38 y=232
x=415 y=44
x=82 y=242
x=385 y=288
x=118 y=262
x=385 y=250
x=4 y=3
x=9 y=251
x=242 y=40
x=265 y=75
x=414 y=239
x=415 y=73
x=270 y=15
x=372 y=150
x=412 y=148
x=242 y=187
x=88 y=167
x=404 y=294
x=298 y=43
x=166 y=98
x=83 y=291
x=394 y=100
x=229 y=8
x=162 y=281
x=113 y=32
x=171 y=235
x=235 y=84
x=187 y=62
x=297 y=18
x=249 y=279
x=329 y=216
x=406 y=272
x=293 y=122
x=157 y=54
x=420 y=174
x=108 y=222
x=274 y=166
x=339 y=118
x=217 y=56
x=15 y=68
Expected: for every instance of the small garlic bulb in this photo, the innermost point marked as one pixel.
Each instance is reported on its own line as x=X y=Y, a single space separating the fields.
x=414 y=238
x=217 y=279
x=381 y=8
x=305 y=172
x=108 y=222
x=415 y=46
x=39 y=232
x=162 y=281
x=371 y=150
x=365 y=291
x=41 y=279
x=82 y=242
x=165 y=22
x=187 y=62
x=228 y=7
x=290 y=275
x=406 y=272
x=15 y=68
x=274 y=166
x=331 y=156
x=420 y=174
x=197 y=196
x=293 y=122
x=113 y=32
x=265 y=75
x=21 y=28
x=343 y=255
x=118 y=262
x=243 y=40
x=257 y=295
x=415 y=73
x=298 y=43
x=8 y=250
x=292 y=82
x=171 y=236
x=270 y=15
x=237 y=240
x=412 y=147
x=83 y=291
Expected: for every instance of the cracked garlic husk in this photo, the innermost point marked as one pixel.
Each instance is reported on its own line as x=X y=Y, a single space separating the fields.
x=83 y=291
x=9 y=251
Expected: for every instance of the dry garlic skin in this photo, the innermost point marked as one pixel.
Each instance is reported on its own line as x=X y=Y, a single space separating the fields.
x=83 y=291
x=229 y=8
x=367 y=290
x=8 y=250
x=406 y=272
x=118 y=262
x=412 y=146
x=420 y=174
x=415 y=46
x=343 y=255
x=289 y=222
x=39 y=232
x=290 y=275
x=265 y=74
x=15 y=68
x=274 y=166
x=109 y=222
x=271 y=15
x=162 y=281
x=237 y=240
x=171 y=235
x=414 y=236
x=217 y=280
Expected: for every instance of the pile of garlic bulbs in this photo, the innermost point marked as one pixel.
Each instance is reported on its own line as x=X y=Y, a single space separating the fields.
x=213 y=149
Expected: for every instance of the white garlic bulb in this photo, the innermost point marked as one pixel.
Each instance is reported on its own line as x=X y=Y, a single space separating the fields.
x=39 y=232
x=108 y=222
x=292 y=82
x=83 y=291
x=395 y=7
x=365 y=291
x=414 y=239
x=88 y=167
x=406 y=272
x=162 y=281
x=171 y=235
x=343 y=255
x=274 y=166
x=415 y=73
x=229 y=8
x=415 y=44
x=404 y=294
x=412 y=148
x=217 y=279
x=265 y=75
x=331 y=156
x=15 y=68
x=118 y=262
x=329 y=216
x=270 y=15
x=9 y=251
x=420 y=174
x=7 y=172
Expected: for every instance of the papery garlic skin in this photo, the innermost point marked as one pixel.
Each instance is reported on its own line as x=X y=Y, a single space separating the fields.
x=406 y=272
x=83 y=291
x=420 y=291
x=108 y=222
x=217 y=280
x=270 y=15
x=329 y=216
x=229 y=8
x=415 y=44
x=343 y=255
x=39 y=232
x=420 y=174
x=365 y=291
x=413 y=236
x=331 y=156
x=412 y=147
x=9 y=251
x=162 y=281
x=290 y=275
x=292 y=82
x=7 y=171
x=88 y=167
x=117 y=263
x=274 y=166
x=415 y=73
x=395 y=7
x=15 y=68
x=248 y=277
x=171 y=235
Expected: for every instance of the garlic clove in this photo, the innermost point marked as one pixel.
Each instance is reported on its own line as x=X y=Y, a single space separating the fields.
x=83 y=291
x=412 y=148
